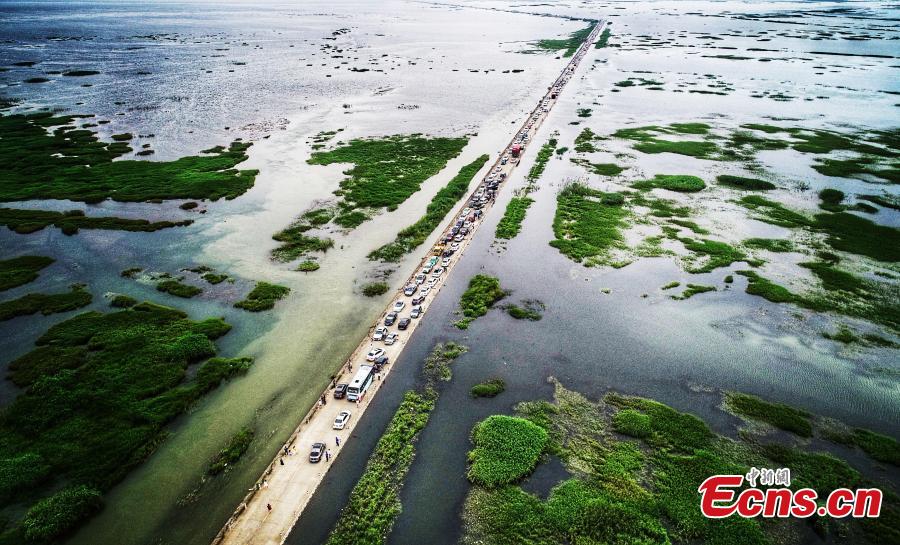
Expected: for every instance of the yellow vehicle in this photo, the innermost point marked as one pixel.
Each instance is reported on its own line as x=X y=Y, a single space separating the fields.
x=438 y=249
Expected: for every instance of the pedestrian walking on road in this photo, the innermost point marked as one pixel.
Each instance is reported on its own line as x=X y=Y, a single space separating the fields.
x=269 y=507
x=337 y=440
x=281 y=460
x=327 y=455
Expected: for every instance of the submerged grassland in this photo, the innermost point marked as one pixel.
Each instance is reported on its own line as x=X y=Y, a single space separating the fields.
x=385 y=171
x=98 y=391
x=634 y=468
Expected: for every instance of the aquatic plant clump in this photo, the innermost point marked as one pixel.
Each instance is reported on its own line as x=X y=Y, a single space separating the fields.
x=263 y=297
x=385 y=171
x=232 y=452
x=374 y=289
x=443 y=202
x=488 y=388
x=178 y=289
x=568 y=45
x=672 y=182
x=22 y=270
x=588 y=224
x=45 y=303
x=511 y=222
x=98 y=391
x=30 y=221
x=482 y=293
x=777 y=414
x=506 y=449
x=43 y=156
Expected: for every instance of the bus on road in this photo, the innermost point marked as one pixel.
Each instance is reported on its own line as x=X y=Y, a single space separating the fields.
x=360 y=383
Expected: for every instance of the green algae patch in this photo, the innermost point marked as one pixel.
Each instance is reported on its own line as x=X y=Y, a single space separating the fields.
x=879 y=447
x=441 y=204
x=530 y=310
x=588 y=224
x=479 y=297
x=178 y=289
x=374 y=503
x=24 y=222
x=263 y=297
x=692 y=290
x=54 y=516
x=851 y=233
x=43 y=156
x=714 y=254
x=232 y=452
x=540 y=162
x=506 y=450
x=374 y=289
x=45 y=303
x=779 y=415
x=567 y=45
x=603 y=40
x=603 y=169
x=123 y=301
x=673 y=182
x=511 y=222
x=488 y=388
x=647 y=140
x=635 y=466
x=295 y=243
x=385 y=171
x=769 y=244
x=98 y=392
x=747 y=184
x=214 y=278
x=308 y=266
x=584 y=141
x=21 y=270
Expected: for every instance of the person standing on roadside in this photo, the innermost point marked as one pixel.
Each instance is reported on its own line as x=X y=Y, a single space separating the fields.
x=337 y=440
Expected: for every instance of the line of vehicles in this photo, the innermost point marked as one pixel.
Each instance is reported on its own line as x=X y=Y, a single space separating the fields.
x=434 y=268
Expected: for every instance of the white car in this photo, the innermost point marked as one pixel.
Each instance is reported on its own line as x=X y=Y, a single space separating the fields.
x=420 y=278
x=445 y=262
x=341 y=420
x=379 y=334
x=437 y=272
x=409 y=290
x=374 y=354
x=424 y=291
x=433 y=281
x=415 y=312
x=391 y=339
x=454 y=246
x=398 y=306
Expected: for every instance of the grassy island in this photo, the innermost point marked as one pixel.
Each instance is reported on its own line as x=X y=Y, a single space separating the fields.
x=21 y=270
x=98 y=391
x=262 y=297
x=481 y=295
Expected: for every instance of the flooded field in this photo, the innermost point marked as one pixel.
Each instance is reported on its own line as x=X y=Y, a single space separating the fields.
x=185 y=79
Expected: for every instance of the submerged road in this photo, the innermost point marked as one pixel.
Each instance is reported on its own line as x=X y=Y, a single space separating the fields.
x=273 y=505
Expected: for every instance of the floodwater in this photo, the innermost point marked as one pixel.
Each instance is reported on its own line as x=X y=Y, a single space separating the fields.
x=167 y=68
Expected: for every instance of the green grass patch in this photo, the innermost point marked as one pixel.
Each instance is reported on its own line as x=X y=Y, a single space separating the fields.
x=214 y=278
x=232 y=452
x=308 y=266
x=43 y=156
x=296 y=243
x=45 y=303
x=21 y=270
x=506 y=450
x=603 y=40
x=262 y=297
x=692 y=290
x=488 y=388
x=53 y=517
x=530 y=310
x=716 y=253
x=672 y=182
x=29 y=221
x=443 y=202
x=540 y=162
x=779 y=415
x=178 y=289
x=479 y=297
x=603 y=169
x=741 y=182
x=584 y=141
x=588 y=223
x=777 y=245
x=385 y=171
x=374 y=289
x=123 y=301
x=568 y=45
x=831 y=200
x=511 y=222
x=98 y=391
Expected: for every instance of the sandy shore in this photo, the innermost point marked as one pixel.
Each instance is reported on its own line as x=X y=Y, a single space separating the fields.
x=272 y=507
